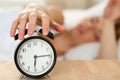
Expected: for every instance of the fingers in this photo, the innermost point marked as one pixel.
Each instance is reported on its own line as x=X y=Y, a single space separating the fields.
x=22 y=26
x=31 y=18
x=32 y=23
x=45 y=22
x=57 y=26
x=14 y=27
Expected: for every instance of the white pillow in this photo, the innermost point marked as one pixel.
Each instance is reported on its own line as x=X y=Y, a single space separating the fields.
x=87 y=51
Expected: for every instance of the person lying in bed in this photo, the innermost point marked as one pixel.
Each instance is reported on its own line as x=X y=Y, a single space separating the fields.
x=105 y=29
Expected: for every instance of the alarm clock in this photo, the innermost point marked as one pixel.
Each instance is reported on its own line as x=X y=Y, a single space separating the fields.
x=35 y=56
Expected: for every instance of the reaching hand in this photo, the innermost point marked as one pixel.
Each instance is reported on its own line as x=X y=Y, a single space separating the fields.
x=31 y=14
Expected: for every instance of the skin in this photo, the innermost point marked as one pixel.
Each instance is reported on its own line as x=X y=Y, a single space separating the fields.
x=89 y=30
x=85 y=32
x=108 y=48
x=31 y=14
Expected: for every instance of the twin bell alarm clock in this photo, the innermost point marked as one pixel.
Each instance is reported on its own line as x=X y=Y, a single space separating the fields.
x=35 y=56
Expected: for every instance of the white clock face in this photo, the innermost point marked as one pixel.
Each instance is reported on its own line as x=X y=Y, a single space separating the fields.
x=35 y=57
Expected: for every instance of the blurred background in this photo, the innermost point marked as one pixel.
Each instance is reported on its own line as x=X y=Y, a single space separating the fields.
x=76 y=9
x=66 y=4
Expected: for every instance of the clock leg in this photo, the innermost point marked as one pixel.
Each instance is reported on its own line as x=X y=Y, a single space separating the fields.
x=48 y=76
x=21 y=76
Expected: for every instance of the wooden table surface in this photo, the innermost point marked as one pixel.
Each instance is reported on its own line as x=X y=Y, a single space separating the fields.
x=70 y=70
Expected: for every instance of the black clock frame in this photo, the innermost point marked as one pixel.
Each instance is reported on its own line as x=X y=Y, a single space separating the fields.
x=34 y=76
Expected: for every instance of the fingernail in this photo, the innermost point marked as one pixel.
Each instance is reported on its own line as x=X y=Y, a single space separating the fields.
x=45 y=32
x=21 y=37
x=62 y=28
x=30 y=33
x=11 y=34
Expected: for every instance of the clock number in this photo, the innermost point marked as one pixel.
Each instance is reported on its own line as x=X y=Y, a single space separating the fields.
x=29 y=45
x=47 y=49
x=28 y=68
x=43 y=68
x=20 y=56
x=47 y=62
x=35 y=69
x=50 y=56
x=35 y=43
x=23 y=50
x=41 y=44
x=23 y=63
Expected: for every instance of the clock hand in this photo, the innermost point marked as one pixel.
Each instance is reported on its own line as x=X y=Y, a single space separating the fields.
x=43 y=56
x=35 y=57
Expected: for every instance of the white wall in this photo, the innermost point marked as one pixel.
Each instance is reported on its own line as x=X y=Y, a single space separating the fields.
x=74 y=4
x=81 y=4
x=11 y=3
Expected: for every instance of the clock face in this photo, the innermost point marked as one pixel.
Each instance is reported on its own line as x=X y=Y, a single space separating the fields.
x=35 y=57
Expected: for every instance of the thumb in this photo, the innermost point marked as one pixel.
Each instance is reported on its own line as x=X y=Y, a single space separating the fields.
x=57 y=26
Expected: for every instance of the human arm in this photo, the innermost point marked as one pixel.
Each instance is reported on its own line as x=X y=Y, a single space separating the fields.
x=36 y=12
x=108 y=49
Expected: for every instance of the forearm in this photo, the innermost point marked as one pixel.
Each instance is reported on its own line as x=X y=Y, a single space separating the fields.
x=108 y=49
x=63 y=43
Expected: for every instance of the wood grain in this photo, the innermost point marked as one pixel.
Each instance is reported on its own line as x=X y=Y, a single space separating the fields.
x=70 y=70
